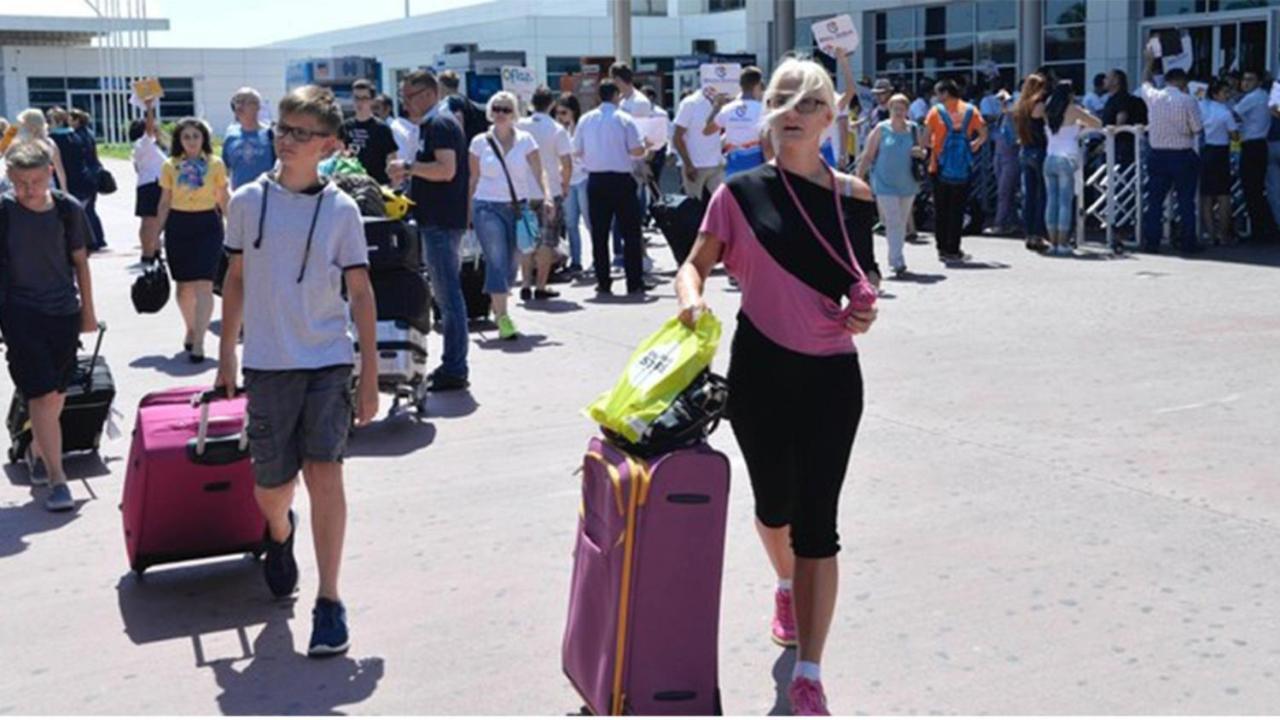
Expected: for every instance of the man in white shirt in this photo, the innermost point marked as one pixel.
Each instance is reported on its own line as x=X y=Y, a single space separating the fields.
x=702 y=169
x=924 y=100
x=555 y=150
x=630 y=100
x=739 y=121
x=1255 y=125
x=608 y=142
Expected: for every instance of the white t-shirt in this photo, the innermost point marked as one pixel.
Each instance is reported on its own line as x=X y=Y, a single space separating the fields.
x=148 y=158
x=692 y=114
x=492 y=185
x=553 y=143
x=740 y=121
x=405 y=133
x=637 y=105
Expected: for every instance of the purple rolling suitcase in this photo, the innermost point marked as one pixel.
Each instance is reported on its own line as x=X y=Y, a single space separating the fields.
x=644 y=604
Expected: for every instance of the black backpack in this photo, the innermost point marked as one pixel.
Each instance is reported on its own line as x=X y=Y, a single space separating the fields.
x=65 y=206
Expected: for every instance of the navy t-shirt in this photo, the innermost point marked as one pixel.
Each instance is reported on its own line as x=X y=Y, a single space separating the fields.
x=442 y=204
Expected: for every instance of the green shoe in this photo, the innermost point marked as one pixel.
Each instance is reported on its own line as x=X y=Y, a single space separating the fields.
x=506 y=328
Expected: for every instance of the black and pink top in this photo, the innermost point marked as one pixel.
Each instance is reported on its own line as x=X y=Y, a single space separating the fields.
x=792 y=289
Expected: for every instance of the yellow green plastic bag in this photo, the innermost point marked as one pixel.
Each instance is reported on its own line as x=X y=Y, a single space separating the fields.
x=663 y=366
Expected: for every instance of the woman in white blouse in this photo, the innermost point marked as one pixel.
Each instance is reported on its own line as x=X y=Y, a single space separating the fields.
x=148 y=159
x=1215 y=168
x=495 y=213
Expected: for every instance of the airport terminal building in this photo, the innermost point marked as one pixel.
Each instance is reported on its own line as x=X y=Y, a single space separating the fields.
x=47 y=60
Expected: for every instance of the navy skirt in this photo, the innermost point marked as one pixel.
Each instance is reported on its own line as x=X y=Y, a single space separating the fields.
x=193 y=243
x=1215 y=170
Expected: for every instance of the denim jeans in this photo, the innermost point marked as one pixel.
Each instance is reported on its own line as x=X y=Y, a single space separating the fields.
x=440 y=248
x=1179 y=169
x=1008 y=174
x=495 y=224
x=1060 y=192
x=1032 y=160
x=575 y=211
x=1273 y=178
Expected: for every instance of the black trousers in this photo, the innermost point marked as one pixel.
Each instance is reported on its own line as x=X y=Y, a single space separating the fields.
x=1253 y=175
x=949 y=200
x=611 y=195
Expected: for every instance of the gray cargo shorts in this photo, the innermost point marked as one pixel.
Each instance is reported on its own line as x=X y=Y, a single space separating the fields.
x=296 y=415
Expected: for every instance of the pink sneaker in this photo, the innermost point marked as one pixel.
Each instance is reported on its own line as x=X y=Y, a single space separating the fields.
x=807 y=698
x=784 y=619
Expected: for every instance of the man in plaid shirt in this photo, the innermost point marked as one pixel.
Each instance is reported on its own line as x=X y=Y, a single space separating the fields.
x=1173 y=130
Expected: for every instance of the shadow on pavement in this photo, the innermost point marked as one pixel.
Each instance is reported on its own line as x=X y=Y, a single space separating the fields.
x=452 y=404
x=395 y=436
x=971 y=265
x=917 y=278
x=554 y=307
x=215 y=605
x=782 y=668
x=522 y=343
x=645 y=299
x=279 y=680
x=20 y=522
x=173 y=365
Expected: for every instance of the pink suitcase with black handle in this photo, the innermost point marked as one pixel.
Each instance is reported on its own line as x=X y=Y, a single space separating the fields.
x=644 y=605
x=188 y=489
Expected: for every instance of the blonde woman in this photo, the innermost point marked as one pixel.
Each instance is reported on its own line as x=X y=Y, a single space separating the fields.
x=32 y=127
x=796 y=235
x=495 y=213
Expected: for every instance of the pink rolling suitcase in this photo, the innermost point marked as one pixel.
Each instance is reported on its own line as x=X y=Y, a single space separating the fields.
x=644 y=604
x=188 y=490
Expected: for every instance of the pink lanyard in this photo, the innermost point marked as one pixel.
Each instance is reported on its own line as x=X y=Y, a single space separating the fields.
x=855 y=270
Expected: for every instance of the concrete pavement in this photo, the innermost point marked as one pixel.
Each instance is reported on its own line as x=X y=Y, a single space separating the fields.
x=1064 y=499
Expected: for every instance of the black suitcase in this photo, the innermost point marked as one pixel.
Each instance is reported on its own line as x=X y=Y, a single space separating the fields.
x=678 y=217
x=393 y=245
x=88 y=404
x=478 y=303
x=403 y=295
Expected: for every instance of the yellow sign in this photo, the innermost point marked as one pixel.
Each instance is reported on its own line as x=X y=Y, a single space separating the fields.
x=148 y=89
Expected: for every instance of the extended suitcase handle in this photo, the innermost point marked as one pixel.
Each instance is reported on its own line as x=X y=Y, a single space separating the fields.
x=204 y=399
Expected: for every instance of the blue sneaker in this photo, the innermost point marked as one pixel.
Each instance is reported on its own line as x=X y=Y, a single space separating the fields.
x=59 y=499
x=328 y=629
x=279 y=567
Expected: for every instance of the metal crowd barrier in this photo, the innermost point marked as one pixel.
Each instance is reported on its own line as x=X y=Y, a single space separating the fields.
x=1119 y=189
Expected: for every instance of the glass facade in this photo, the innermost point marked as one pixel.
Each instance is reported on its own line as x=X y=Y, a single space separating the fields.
x=87 y=93
x=1160 y=8
x=1064 y=32
x=959 y=39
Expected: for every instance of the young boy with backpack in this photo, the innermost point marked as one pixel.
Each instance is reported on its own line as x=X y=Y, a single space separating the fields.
x=293 y=240
x=43 y=260
x=958 y=132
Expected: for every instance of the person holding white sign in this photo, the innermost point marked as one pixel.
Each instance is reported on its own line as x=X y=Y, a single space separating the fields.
x=739 y=121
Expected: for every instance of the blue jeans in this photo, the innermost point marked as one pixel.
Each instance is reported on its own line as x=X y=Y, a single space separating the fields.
x=495 y=224
x=1060 y=192
x=440 y=248
x=575 y=210
x=1179 y=169
x=1032 y=160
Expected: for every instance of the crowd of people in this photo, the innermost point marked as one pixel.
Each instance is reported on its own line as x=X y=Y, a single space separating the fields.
x=794 y=231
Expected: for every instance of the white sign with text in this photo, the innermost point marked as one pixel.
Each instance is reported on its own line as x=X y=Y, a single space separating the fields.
x=519 y=80
x=722 y=78
x=836 y=32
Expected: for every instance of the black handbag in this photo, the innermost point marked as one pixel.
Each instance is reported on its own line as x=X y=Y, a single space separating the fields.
x=690 y=418
x=150 y=291
x=919 y=166
x=106 y=182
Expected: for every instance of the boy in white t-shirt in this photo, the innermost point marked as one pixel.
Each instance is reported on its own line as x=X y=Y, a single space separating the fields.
x=293 y=240
x=739 y=121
